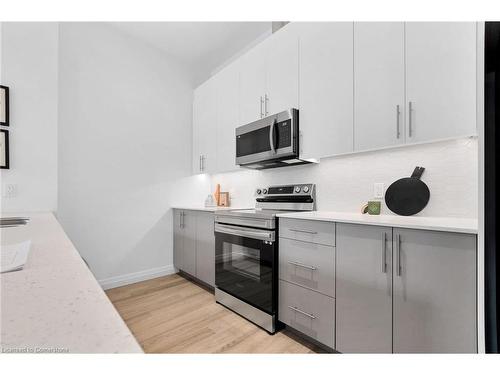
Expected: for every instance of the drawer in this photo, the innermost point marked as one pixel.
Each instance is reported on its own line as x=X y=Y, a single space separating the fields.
x=308 y=264
x=308 y=312
x=321 y=232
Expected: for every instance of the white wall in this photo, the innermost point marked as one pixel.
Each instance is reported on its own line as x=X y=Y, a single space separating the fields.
x=344 y=183
x=29 y=68
x=124 y=148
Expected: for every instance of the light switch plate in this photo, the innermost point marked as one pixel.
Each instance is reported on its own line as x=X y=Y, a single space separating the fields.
x=378 y=190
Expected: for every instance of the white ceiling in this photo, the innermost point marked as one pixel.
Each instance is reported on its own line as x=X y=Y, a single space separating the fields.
x=202 y=46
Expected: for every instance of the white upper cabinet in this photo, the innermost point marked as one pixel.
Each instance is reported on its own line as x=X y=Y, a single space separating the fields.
x=252 y=84
x=282 y=81
x=227 y=117
x=379 y=86
x=326 y=90
x=440 y=80
x=204 y=128
x=358 y=87
x=269 y=76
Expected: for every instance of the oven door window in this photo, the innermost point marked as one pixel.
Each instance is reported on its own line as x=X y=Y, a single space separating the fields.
x=244 y=269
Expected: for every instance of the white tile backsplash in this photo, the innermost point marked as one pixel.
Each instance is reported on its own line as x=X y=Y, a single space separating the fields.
x=344 y=183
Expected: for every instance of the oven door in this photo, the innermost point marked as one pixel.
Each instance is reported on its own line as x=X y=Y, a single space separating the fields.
x=273 y=137
x=245 y=261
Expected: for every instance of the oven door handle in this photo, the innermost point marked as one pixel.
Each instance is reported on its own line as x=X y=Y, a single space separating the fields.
x=263 y=235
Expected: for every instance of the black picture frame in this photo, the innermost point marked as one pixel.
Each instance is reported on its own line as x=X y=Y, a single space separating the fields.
x=7 y=161
x=6 y=109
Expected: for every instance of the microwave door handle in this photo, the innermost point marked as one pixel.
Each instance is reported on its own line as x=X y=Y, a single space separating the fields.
x=271 y=136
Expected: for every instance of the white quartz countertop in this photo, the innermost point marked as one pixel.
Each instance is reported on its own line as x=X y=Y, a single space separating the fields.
x=443 y=224
x=55 y=304
x=208 y=209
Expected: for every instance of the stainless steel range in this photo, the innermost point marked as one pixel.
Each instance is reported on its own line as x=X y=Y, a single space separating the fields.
x=246 y=252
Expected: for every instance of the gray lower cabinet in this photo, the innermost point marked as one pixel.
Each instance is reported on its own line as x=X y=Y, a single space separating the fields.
x=307 y=311
x=307 y=278
x=364 y=289
x=185 y=241
x=432 y=305
x=434 y=292
x=194 y=244
x=205 y=247
x=308 y=264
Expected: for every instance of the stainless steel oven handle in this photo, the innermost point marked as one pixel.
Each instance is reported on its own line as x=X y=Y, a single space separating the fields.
x=271 y=136
x=297 y=264
x=301 y=312
x=256 y=234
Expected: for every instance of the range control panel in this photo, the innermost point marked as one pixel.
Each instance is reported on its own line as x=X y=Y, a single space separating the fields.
x=283 y=190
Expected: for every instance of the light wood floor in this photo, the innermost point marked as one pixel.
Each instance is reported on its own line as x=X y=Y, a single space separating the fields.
x=173 y=315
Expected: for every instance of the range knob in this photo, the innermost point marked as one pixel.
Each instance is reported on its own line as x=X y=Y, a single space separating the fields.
x=264 y=191
x=297 y=189
x=305 y=189
x=258 y=191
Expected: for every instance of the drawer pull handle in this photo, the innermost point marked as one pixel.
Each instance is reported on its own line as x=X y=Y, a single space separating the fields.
x=302 y=312
x=312 y=268
x=302 y=231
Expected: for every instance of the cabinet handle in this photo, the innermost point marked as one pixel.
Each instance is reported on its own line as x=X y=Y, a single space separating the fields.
x=410 y=110
x=202 y=163
x=398 y=113
x=265 y=104
x=312 y=268
x=302 y=312
x=181 y=221
x=261 y=104
x=398 y=253
x=384 y=253
x=302 y=231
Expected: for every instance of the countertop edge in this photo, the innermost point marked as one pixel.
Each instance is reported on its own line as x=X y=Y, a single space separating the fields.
x=208 y=209
x=390 y=221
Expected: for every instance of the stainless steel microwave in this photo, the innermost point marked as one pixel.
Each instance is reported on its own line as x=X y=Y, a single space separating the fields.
x=270 y=142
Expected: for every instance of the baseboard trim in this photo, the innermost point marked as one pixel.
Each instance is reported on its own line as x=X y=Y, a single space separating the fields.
x=135 y=277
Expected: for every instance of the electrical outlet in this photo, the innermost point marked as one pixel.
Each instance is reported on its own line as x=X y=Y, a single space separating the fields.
x=378 y=190
x=9 y=190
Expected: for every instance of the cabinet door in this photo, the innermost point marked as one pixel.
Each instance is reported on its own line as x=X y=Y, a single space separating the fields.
x=282 y=71
x=188 y=255
x=379 y=95
x=326 y=90
x=205 y=247
x=364 y=289
x=204 y=128
x=441 y=80
x=434 y=292
x=252 y=84
x=227 y=84
x=178 y=239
